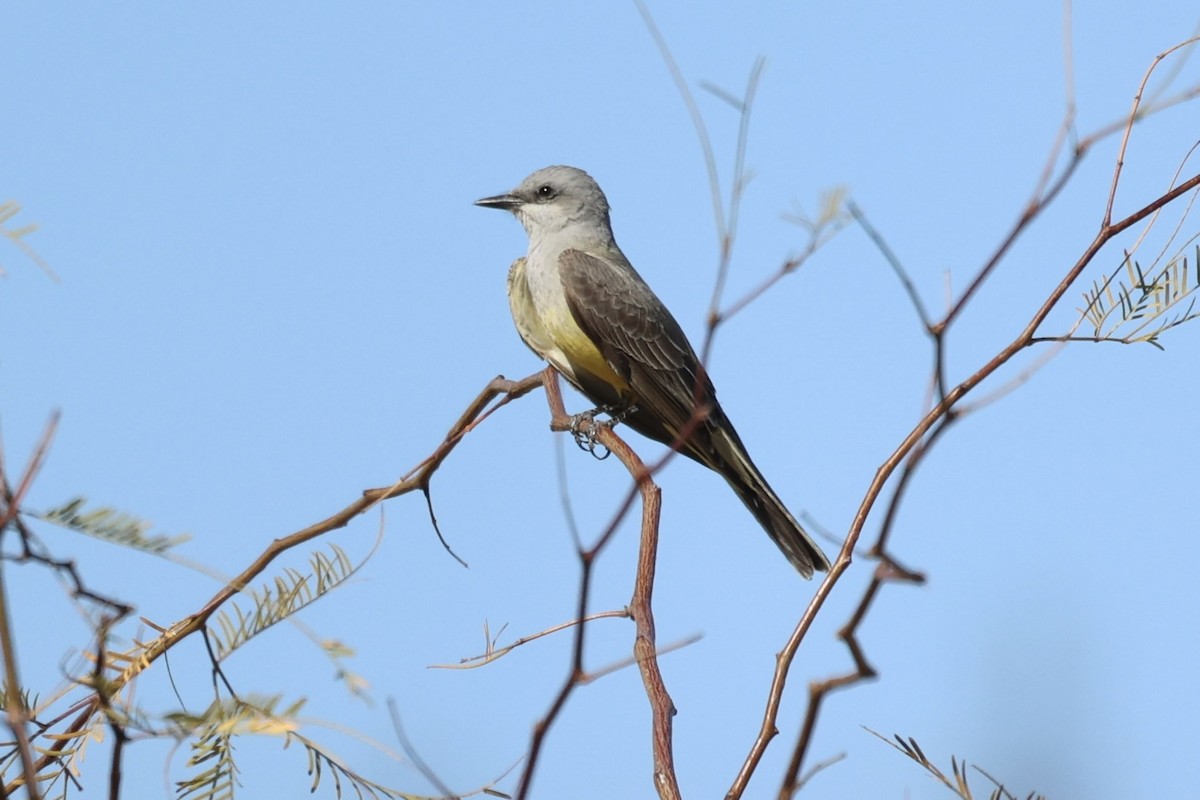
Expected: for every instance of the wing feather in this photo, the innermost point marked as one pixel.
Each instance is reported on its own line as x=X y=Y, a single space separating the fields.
x=637 y=336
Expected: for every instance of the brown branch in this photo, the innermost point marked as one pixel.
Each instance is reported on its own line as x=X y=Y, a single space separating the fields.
x=888 y=467
x=1044 y=195
x=888 y=570
x=644 y=647
x=929 y=427
x=819 y=236
x=1037 y=204
x=416 y=479
x=662 y=708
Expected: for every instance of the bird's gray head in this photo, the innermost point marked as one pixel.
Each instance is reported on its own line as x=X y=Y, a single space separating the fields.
x=557 y=199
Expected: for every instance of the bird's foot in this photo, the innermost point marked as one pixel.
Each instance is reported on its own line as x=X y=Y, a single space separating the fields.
x=586 y=430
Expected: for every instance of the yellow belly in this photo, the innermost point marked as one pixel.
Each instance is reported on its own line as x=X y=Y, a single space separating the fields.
x=553 y=334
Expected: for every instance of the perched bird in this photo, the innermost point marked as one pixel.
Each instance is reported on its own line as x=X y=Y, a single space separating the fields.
x=579 y=304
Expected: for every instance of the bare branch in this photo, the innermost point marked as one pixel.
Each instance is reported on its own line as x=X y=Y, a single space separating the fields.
x=645 y=651
x=170 y=636
x=917 y=444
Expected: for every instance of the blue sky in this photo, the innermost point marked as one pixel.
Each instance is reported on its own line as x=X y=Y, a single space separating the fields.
x=275 y=292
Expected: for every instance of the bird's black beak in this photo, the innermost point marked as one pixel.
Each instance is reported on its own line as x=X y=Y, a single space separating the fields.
x=507 y=202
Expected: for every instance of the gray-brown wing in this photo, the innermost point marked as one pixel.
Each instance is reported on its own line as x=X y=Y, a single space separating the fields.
x=643 y=343
x=637 y=336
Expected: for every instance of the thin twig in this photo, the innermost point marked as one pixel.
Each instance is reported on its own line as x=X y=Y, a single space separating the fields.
x=710 y=161
x=494 y=654
x=1134 y=114
x=890 y=257
x=14 y=497
x=411 y=751
x=617 y=666
x=736 y=192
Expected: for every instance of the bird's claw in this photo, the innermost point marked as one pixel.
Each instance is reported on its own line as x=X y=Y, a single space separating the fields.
x=586 y=436
x=585 y=430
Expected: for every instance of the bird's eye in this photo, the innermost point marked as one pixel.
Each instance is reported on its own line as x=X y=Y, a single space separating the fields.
x=545 y=191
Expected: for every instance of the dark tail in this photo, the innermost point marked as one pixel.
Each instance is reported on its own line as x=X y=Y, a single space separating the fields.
x=734 y=464
x=716 y=445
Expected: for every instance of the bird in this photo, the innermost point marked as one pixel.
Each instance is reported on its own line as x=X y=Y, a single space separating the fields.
x=579 y=304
